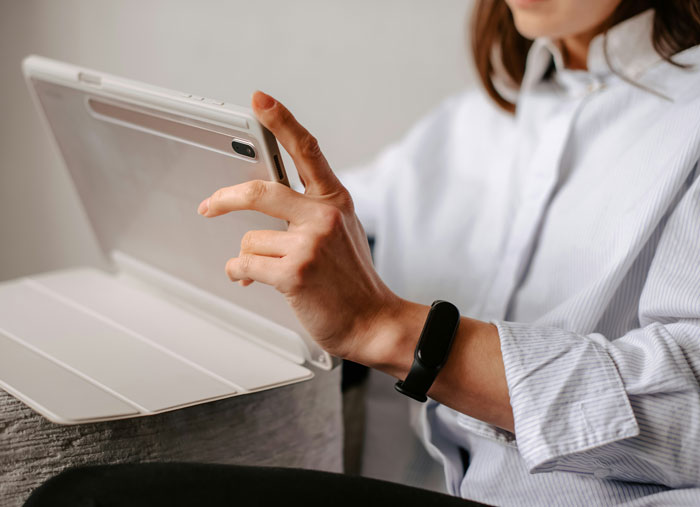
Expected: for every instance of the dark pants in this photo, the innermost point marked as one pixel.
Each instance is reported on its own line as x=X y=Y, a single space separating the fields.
x=189 y=484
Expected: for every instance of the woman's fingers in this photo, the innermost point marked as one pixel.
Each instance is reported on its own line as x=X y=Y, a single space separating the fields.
x=267 y=255
x=317 y=176
x=273 y=244
x=268 y=270
x=268 y=197
x=269 y=243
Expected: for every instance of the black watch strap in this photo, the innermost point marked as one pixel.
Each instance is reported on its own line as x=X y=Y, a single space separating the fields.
x=432 y=350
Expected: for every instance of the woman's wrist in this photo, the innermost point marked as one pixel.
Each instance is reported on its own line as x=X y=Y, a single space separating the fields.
x=472 y=380
x=389 y=340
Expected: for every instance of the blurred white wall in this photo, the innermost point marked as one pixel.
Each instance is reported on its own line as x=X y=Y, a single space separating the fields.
x=357 y=74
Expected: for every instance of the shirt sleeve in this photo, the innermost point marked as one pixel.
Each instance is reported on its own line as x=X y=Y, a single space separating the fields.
x=621 y=408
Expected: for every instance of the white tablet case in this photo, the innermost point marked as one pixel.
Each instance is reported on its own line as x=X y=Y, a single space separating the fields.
x=161 y=326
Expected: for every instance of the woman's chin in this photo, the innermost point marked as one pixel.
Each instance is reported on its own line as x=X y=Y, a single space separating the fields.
x=534 y=28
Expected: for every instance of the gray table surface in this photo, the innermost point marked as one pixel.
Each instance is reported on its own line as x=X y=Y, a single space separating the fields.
x=298 y=426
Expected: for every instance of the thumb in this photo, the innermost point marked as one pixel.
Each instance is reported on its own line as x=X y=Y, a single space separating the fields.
x=314 y=171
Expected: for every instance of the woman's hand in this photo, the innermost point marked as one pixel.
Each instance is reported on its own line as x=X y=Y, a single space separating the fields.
x=322 y=263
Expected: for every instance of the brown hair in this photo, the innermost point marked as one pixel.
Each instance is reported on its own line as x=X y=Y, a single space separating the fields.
x=498 y=48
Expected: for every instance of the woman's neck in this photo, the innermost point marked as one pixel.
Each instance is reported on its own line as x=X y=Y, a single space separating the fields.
x=575 y=51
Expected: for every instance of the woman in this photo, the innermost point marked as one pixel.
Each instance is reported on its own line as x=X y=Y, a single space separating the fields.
x=561 y=214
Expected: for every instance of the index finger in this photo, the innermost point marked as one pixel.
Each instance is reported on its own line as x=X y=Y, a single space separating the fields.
x=269 y=197
x=317 y=176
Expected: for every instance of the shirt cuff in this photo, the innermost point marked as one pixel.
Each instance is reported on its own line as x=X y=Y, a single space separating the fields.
x=566 y=393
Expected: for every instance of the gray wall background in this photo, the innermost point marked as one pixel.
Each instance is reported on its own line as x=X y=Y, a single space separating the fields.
x=357 y=74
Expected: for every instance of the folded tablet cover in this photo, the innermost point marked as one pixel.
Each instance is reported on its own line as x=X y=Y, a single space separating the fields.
x=127 y=350
x=82 y=345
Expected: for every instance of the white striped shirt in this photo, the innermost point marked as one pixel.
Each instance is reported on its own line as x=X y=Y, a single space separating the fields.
x=574 y=226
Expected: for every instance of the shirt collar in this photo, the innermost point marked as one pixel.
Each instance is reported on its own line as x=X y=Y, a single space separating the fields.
x=628 y=46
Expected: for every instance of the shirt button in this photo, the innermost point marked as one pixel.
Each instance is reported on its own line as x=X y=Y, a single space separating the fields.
x=601 y=473
x=593 y=87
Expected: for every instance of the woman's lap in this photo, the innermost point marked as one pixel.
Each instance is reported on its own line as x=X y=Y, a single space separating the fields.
x=186 y=484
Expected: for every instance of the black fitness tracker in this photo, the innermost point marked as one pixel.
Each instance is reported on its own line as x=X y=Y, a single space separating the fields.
x=432 y=350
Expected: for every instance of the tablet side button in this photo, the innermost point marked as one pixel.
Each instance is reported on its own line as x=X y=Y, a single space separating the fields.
x=280 y=174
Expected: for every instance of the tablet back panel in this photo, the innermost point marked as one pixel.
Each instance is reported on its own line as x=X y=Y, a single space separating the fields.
x=141 y=169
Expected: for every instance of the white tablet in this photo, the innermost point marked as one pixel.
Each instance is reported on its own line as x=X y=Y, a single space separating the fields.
x=162 y=327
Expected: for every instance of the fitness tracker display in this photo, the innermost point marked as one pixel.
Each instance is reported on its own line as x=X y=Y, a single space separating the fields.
x=432 y=350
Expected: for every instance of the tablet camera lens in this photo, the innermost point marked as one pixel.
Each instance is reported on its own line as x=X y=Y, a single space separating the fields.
x=243 y=149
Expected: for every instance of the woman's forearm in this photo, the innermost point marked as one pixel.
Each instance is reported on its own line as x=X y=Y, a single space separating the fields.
x=472 y=381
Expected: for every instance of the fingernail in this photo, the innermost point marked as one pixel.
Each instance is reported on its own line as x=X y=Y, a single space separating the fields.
x=203 y=207
x=263 y=101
